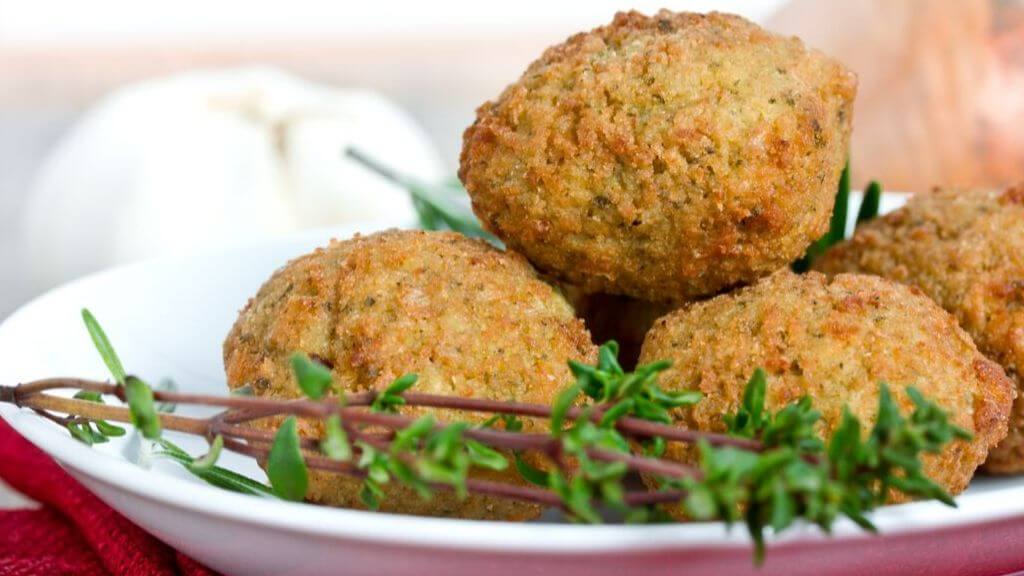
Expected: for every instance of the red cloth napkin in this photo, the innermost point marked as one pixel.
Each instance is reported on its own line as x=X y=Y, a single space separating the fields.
x=73 y=533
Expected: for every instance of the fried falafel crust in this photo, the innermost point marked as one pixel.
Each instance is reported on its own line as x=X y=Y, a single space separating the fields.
x=965 y=249
x=664 y=157
x=470 y=320
x=834 y=339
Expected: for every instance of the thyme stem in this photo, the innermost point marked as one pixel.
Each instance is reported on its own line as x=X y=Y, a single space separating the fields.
x=264 y=407
x=256 y=443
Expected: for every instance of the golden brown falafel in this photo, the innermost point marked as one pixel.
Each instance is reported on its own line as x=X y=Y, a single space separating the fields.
x=470 y=320
x=965 y=249
x=664 y=157
x=834 y=340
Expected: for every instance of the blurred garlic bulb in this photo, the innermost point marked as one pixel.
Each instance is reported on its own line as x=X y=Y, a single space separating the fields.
x=208 y=159
x=941 y=91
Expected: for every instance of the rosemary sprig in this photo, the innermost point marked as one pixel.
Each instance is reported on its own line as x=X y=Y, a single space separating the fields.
x=213 y=475
x=868 y=210
x=770 y=470
x=871 y=203
x=438 y=206
x=103 y=346
x=836 y=228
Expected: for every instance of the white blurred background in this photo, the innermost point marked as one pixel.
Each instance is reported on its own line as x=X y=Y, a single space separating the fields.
x=92 y=173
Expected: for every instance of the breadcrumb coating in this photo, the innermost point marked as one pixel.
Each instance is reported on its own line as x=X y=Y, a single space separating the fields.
x=965 y=249
x=470 y=320
x=664 y=158
x=835 y=340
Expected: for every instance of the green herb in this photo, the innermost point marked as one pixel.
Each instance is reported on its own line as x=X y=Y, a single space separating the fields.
x=335 y=444
x=485 y=457
x=594 y=481
x=633 y=393
x=376 y=466
x=314 y=379
x=750 y=417
x=837 y=225
x=654 y=447
x=286 y=467
x=102 y=343
x=210 y=459
x=797 y=475
x=871 y=203
x=560 y=409
x=137 y=393
x=371 y=494
x=89 y=396
x=444 y=460
x=510 y=422
x=436 y=213
x=531 y=474
x=890 y=454
x=438 y=206
x=868 y=210
x=109 y=430
x=771 y=469
x=391 y=398
x=372 y=491
x=144 y=418
x=140 y=402
x=103 y=427
x=792 y=426
x=214 y=475
x=83 y=432
x=422 y=454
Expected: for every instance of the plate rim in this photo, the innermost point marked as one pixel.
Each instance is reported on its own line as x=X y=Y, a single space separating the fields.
x=443 y=533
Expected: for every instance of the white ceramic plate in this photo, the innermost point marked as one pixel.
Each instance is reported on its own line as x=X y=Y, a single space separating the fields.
x=168 y=319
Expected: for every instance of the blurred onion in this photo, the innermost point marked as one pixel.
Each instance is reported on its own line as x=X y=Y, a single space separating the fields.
x=941 y=94
x=215 y=158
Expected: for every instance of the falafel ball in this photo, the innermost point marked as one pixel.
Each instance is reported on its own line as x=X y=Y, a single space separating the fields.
x=965 y=249
x=468 y=319
x=835 y=340
x=665 y=157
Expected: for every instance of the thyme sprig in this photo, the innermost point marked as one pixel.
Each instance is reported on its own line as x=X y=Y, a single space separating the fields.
x=770 y=469
x=799 y=475
x=214 y=475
